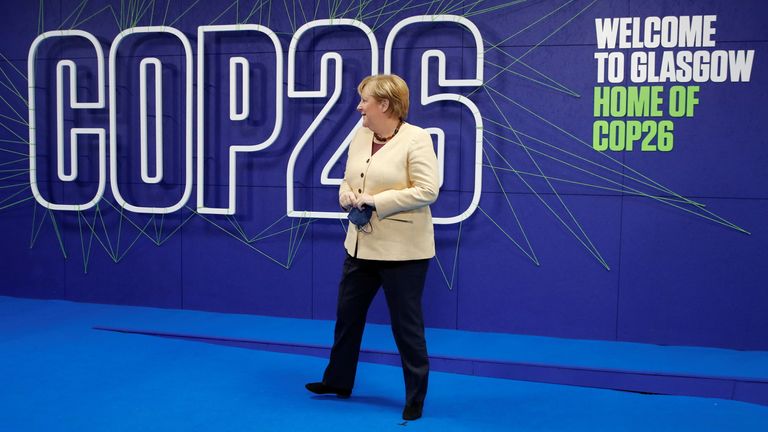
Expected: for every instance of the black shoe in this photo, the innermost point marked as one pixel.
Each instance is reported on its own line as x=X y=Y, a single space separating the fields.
x=320 y=388
x=412 y=411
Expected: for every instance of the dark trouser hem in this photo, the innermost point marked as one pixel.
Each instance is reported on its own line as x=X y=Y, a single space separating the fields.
x=403 y=283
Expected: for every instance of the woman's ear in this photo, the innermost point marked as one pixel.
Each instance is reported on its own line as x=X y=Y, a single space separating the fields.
x=384 y=104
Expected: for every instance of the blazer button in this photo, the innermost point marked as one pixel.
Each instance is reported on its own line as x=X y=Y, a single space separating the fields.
x=367 y=160
x=362 y=175
x=359 y=191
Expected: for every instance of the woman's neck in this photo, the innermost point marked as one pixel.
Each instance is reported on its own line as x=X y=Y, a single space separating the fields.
x=387 y=127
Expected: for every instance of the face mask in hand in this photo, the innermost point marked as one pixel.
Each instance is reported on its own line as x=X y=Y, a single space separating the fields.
x=360 y=217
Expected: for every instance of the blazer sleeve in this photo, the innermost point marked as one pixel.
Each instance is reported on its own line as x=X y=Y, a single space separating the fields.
x=422 y=177
x=344 y=187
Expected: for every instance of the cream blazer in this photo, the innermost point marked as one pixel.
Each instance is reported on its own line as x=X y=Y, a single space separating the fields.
x=403 y=179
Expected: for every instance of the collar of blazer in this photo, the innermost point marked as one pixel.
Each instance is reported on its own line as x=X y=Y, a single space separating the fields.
x=405 y=130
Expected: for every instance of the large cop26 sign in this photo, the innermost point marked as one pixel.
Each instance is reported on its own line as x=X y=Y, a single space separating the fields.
x=237 y=112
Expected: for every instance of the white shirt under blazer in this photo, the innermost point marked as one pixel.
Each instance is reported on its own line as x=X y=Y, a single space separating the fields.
x=403 y=179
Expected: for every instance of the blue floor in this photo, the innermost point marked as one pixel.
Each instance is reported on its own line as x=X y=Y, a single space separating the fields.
x=601 y=355
x=58 y=374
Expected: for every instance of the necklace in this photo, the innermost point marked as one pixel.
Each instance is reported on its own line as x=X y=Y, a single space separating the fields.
x=383 y=140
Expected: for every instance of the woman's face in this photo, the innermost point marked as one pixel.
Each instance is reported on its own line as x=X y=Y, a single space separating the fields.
x=373 y=111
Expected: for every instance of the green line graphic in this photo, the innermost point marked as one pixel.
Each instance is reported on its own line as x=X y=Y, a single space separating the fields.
x=591 y=247
x=530 y=50
x=530 y=253
x=455 y=266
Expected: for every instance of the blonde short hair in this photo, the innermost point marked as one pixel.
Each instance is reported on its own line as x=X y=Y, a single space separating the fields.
x=388 y=87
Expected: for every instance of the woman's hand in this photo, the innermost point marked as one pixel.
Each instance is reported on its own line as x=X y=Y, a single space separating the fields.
x=347 y=200
x=364 y=199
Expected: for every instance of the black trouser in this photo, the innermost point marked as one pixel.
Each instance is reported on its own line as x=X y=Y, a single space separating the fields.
x=403 y=283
